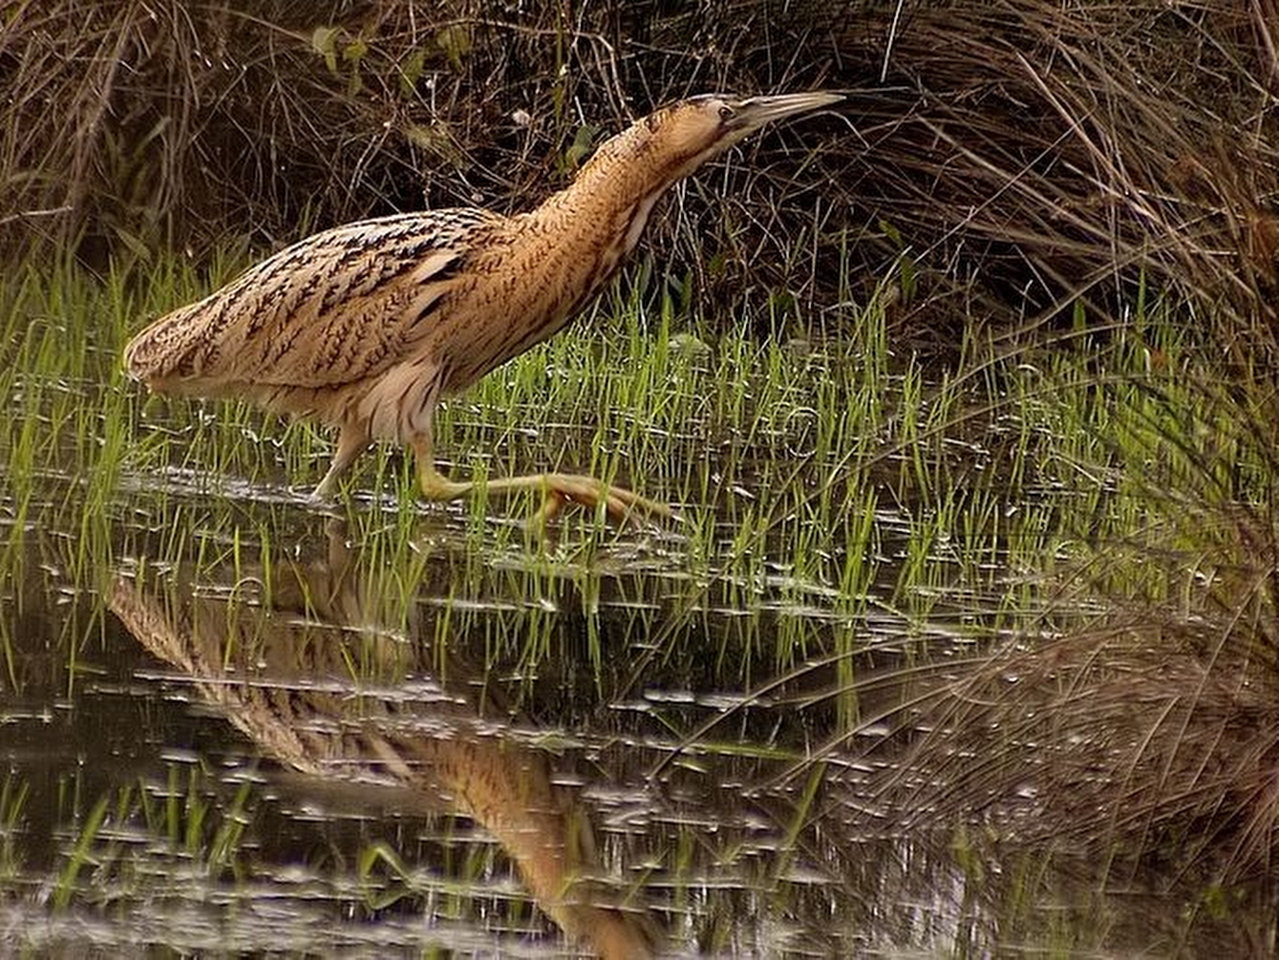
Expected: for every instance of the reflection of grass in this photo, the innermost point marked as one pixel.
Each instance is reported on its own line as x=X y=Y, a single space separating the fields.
x=13 y=799
x=81 y=854
x=136 y=840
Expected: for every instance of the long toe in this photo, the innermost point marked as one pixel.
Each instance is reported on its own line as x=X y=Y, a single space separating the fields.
x=551 y=506
x=634 y=503
x=622 y=505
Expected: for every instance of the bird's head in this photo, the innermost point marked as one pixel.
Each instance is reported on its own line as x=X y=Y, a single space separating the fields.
x=678 y=138
x=693 y=131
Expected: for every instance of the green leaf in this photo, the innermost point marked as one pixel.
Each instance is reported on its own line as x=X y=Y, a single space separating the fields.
x=910 y=276
x=355 y=51
x=411 y=72
x=436 y=140
x=324 y=42
x=582 y=147
x=456 y=43
x=892 y=233
x=135 y=244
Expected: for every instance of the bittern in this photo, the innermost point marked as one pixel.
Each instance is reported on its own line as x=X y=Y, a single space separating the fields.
x=365 y=327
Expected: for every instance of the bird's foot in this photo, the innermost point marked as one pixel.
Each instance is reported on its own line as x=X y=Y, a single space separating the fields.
x=622 y=505
x=557 y=489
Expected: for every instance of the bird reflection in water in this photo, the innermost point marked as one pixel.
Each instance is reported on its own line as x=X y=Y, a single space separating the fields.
x=308 y=673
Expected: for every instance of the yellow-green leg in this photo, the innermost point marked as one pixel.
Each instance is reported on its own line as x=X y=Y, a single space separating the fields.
x=556 y=489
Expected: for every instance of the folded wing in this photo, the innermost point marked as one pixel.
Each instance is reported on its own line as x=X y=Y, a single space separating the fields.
x=341 y=306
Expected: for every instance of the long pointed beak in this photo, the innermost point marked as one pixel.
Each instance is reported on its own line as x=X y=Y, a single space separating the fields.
x=754 y=112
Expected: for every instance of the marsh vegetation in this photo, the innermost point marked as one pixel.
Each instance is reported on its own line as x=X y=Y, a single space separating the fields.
x=963 y=647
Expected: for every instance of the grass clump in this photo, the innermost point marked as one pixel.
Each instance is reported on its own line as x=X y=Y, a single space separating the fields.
x=1133 y=719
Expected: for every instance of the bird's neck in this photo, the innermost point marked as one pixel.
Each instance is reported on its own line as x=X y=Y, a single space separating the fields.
x=611 y=198
x=559 y=256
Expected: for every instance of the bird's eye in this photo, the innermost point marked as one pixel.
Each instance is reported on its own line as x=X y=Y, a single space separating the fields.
x=726 y=113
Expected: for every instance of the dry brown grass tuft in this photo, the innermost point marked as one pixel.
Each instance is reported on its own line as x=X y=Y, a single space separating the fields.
x=1135 y=742
x=1060 y=152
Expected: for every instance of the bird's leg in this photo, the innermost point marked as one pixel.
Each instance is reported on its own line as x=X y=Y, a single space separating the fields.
x=351 y=443
x=556 y=489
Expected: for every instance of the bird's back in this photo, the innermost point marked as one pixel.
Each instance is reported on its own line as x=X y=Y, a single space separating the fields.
x=334 y=309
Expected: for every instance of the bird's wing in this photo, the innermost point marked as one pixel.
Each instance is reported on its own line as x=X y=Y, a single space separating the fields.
x=334 y=308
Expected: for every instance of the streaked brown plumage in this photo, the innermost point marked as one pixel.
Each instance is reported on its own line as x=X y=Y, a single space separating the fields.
x=366 y=326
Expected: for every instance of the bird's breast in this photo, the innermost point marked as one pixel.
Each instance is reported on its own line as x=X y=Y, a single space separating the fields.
x=518 y=297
